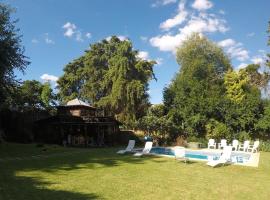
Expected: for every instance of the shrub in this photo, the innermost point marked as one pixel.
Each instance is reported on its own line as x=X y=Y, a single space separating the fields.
x=265 y=146
x=243 y=135
x=217 y=130
x=197 y=139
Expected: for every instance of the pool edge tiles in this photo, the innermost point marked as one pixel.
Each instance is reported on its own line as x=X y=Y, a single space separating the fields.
x=241 y=158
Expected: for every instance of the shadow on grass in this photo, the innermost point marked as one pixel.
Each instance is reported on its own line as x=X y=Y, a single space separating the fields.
x=24 y=188
x=17 y=187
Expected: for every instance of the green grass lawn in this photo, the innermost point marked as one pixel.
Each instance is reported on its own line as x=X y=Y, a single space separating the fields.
x=102 y=174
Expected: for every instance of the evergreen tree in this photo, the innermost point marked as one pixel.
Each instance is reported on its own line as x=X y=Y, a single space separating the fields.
x=11 y=54
x=111 y=76
x=197 y=92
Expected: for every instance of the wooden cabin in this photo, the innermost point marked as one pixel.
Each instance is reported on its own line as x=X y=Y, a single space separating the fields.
x=78 y=124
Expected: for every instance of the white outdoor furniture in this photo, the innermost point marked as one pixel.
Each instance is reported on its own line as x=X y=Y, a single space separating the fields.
x=235 y=144
x=244 y=146
x=223 y=159
x=211 y=143
x=222 y=144
x=180 y=154
x=146 y=150
x=254 y=148
x=130 y=146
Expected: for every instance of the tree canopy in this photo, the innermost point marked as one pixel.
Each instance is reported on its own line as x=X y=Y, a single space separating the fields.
x=110 y=75
x=11 y=53
x=32 y=95
x=196 y=92
x=207 y=98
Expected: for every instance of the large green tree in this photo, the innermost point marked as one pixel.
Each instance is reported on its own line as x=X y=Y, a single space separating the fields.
x=157 y=124
x=32 y=95
x=11 y=53
x=196 y=93
x=110 y=75
x=268 y=43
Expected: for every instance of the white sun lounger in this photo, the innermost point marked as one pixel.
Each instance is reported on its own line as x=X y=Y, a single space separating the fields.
x=211 y=143
x=180 y=154
x=235 y=144
x=245 y=146
x=222 y=144
x=146 y=150
x=254 y=148
x=223 y=159
x=131 y=144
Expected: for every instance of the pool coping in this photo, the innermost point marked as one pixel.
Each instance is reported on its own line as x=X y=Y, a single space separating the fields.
x=252 y=162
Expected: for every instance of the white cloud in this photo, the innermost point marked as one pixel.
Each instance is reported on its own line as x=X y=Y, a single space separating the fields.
x=48 y=40
x=250 y=34
x=226 y=43
x=234 y=49
x=188 y=22
x=144 y=55
x=261 y=51
x=257 y=60
x=222 y=12
x=162 y=3
x=159 y=61
x=143 y=38
x=239 y=53
x=203 y=23
x=241 y=66
x=34 y=41
x=176 y=20
x=88 y=35
x=79 y=36
x=202 y=5
x=166 y=2
x=47 y=77
x=167 y=42
x=120 y=37
x=70 y=29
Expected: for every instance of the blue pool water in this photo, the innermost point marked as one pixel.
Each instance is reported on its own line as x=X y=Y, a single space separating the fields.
x=237 y=157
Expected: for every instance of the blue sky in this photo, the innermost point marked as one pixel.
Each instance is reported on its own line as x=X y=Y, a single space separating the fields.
x=56 y=32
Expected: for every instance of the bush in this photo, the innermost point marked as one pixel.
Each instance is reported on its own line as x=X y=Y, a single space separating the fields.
x=265 y=146
x=243 y=135
x=124 y=136
x=199 y=140
x=217 y=130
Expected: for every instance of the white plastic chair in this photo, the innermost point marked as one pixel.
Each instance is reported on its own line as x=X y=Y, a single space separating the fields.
x=211 y=143
x=254 y=148
x=223 y=159
x=235 y=144
x=244 y=146
x=222 y=144
x=146 y=150
x=130 y=146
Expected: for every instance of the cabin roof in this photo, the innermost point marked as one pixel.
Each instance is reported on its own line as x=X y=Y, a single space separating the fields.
x=77 y=103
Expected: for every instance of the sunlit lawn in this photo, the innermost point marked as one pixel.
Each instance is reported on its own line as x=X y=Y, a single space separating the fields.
x=102 y=174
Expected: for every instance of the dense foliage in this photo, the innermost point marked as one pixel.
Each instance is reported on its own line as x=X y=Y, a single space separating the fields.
x=207 y=98
x=35 y=95
x=11 y=54
x=197 y=91
x=156 y=124
x=111 y=76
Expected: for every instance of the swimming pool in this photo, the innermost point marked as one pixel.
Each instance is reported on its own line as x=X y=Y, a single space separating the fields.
x=237 y=157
